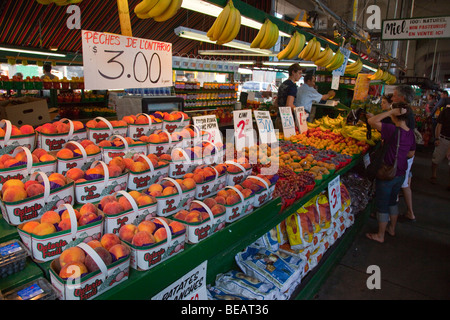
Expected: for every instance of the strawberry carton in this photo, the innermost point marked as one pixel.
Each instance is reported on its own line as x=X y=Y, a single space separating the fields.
x=147 y=170
x=175 y=121
x=118 y=146
x=65 y=227
x=99 y=129
x=237 y=171
x=77 y=155
x=24 y=201
x=238 y=202
x=142 y=124
x=204 y=218
x=153 y=241
x=53 y=136
x=173 y=195
x=104 y=267
x=123 y=207
x=98 y=181
x=21 y=163
x=11 y=137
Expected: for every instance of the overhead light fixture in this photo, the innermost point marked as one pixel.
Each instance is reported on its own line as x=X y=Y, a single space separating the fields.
x=302 y=19
x=53 y=48
x=201 y=36
x=32 y=52
x=287 y=64
x=213 y=10
x=245 y=71
x=242 y=61
x=242 y=53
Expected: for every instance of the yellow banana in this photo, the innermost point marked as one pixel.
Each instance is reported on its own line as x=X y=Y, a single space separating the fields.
x=266 y=41
x=159 y=8
x=306 y=50
x=317 y=51
x=299 y=45
x=276 y=34
x=144 y=6
x=256 y=42
x=323 y=53
x=229 y=29
x=336 y=62
x=385 y=76
x=354 y=68
x=44 y=2
x=290 y=46
x=175 y=5
x=311 y=51
x=326 y=58
x=221 y=21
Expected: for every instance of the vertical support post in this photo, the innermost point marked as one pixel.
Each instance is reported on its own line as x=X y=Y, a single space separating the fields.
x=124 y=17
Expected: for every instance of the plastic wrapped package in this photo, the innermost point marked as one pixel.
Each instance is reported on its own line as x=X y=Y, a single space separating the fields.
x=239 y=284
x=39 y=289
x=214 y=293
x=300 y=230
x=268 y=241
x=13 y=255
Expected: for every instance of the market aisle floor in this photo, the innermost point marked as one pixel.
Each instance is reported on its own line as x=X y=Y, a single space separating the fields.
x=415 y=263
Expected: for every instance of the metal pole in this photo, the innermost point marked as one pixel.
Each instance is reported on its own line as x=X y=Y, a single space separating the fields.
x=407 y=43
x=434 y=58
x=394 y=47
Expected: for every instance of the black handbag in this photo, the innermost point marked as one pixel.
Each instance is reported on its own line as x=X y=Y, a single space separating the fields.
x=377 y=167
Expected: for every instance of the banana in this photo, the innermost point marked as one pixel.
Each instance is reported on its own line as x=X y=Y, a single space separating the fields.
x=144 y=6
x=306 y=50
x=317 y=51
x=159 y=8
x=323 y=53
x=256 y=42
x=333 y=60
x=311 y=51
x=44 y=2
x=175 y=5
x=290 y=46
x=221 y=21
x=299 y=45
x=210 y=32
x=354 y=68
x=276 y=34
x=385 y=76
x=377 y=75
x=336 y=62
x=268 y=36
x=231 y=27
x=326 y=57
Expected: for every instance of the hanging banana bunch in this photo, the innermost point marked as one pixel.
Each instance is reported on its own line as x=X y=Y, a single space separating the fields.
x=293 y=48
x=58 y=2
x=311 y=51
x=336 y=61
x=354 y=68
x=226 y=26
x=159 y=10
x=385 y=76
x=324 y=57
x=267 y=36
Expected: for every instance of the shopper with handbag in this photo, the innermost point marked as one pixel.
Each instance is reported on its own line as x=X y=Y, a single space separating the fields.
x=399 y=145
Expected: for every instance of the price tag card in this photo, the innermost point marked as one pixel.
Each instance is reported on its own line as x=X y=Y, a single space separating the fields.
x=287 y=121
x=210 y=125
x=113 y=61
x=300 y=116
x=341 y=70
x=243 y=129
x=335 y=82
x=334 y=195
x=265 y=126
x=192 y=286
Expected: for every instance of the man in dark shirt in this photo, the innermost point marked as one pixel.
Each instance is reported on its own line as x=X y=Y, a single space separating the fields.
x=442 y=142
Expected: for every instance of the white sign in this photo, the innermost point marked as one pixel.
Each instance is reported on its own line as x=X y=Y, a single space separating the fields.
x=416 y=28
x=113 y=61
x=334 y=195
x=341 y=70
x=335 y=81
x=300 y=117
x=265 y=126
x=210 y=125
x=192 y=286
x=287 y=121
x=243 y=129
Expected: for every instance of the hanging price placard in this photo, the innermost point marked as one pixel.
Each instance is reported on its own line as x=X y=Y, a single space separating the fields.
x=243 y=129
x=113 y=61
x=210 y=125
x=287 y=121
x=300 y=117
x=334 y=195
x=265 y=126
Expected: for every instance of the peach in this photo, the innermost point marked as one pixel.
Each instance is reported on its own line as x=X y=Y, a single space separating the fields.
x=30 y=225
x=94 y=244
x=57 y=182
x=51 y=217
x=48 y=128
x=114 y=170
x=92 y=149
x=35 y=189
x=113 y=208
x=88 y=208
x=210 y=202
x=155 y=187
x=75 y=174
x=217 y=209
x=29 y=183
x=134 y=194
x=47 y=158
x=181 y=215
x=146 y=225
x=169 y=191
x=232 y=200
x=96 y=172
x=141 y=119
x=220 y=200
x=127 y=232
x=26 y=129
x=165 y=156
x=21 y=156
x=104 y=255
x=154 y=138
x=86 y=142
x=5 y=157
x=189 y=183
x=128 y=119
x=38 y=152
x=14 y=193
x=87 y=218
x=118 y=161
x=109 y=239
x=119 y=251
x=144 y=200
x=143 y=238
x=10 y=163
x=128 y=163
x=65 y=214
x=105 y=143
x=246 y=193
x=222 y=193
x=175 y=227
x=12 y=182
x=160 y=234
x=101 y=124
x=65 y=224
x=77 y=125
x=61 y=127
x=64 y=154
x=73 y=270
x=126 y=205
x=193 y=216
x=139 y=166
x=72 y=254
x=199 y=178
x=105 y=200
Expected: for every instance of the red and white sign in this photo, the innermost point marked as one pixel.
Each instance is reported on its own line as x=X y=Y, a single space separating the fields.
x=416 y=28
x=334 y=195
x=243 y=129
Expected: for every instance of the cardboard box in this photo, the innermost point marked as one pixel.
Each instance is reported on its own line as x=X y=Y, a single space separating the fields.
x=25 y=110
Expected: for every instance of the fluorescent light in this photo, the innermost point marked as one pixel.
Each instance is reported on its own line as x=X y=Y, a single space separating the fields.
x=32 y=52
x=201 y=36
x=242 y=62
x=286 y=64
x=245 y=71
x=234 y=53
x=213 y=10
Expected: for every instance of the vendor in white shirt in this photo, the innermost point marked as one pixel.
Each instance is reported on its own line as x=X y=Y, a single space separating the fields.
x=307 y=94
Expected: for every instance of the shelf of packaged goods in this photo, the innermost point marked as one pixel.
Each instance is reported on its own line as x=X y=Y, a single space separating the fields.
x=219 y=249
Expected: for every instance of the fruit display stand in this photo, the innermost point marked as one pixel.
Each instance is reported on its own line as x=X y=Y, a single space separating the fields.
x=219 y=249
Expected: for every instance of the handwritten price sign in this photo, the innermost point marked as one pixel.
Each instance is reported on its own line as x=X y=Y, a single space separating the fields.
x=243 y=129
x=265 y=126
x=287 y=121
x=300 y=116
x=334 y=195
x=114 y=61
x=210 y=125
